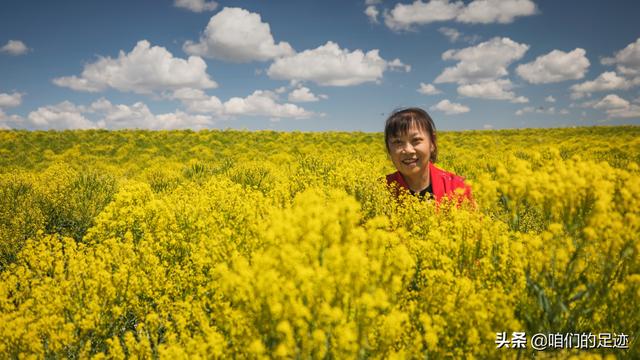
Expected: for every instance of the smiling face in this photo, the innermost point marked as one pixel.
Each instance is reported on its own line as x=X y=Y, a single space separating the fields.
x=410 y=151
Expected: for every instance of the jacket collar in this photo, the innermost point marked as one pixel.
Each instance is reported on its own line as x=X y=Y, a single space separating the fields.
x=436 y=177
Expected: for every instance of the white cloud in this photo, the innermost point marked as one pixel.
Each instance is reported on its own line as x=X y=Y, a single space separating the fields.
x=611 y=102
x=144 y=70
x=487 y=126
x=496 y=11
x=616 y=107
x=524 y=110
x=140 y=116
x=633 y=111
x=541 y=110
x=555 y=66
x=494 y=89
x=372 y=2
x=14 y=47
x=303 y=94
x=372 y=13
x=607 y=81
x=550 y=99
x=11 y=121
x=452 y=34
x=181 y=120
x=10 y=100
x=627 y=60
x=196 y=5
x=329 y=65
x=105 y=115
x=428 y=89
x=520 y=100
x=237 y=35
x=398 y=65
x=450 y=108
x=263 y=103
x=195 y=100
x=260 y=103
x=486 y=61
x=405 y=16
x=64 y=115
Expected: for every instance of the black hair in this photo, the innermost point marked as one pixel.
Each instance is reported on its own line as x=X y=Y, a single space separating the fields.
x=401 y=120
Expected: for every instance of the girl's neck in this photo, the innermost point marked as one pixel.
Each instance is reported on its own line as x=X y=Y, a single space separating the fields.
x=419 y=182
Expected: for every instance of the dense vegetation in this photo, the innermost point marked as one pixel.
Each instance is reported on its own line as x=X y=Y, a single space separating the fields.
x=289 y=245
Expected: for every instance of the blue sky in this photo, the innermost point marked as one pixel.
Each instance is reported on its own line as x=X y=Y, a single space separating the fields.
x=317 y=65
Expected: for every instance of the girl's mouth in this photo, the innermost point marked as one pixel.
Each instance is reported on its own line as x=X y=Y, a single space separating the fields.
x=410 y=161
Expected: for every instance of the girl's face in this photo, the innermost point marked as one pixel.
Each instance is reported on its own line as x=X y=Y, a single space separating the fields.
x=410 y=152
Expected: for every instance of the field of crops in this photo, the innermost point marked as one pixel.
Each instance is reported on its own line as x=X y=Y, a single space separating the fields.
x=288 y=245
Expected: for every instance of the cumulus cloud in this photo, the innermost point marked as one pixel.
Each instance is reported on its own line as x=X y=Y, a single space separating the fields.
x=372 y=13
x=405 y=16
x=428 y=89
x=196 y=5
x=607 y=81
x=138 y=115
x=550 y=99
x=15 y=48
x=106 y=115
x=264 y=103
x=102 y=114
x=495 y=89
x=627 y=60
x=329 y=65
x=10 y=100
x=303 y=94
x=454 y=35
x=483 y=62
x=11 y=121
x=633 y=111
x=260 y=103
x=555 y=66
x=144 y=70
x=450 y=108
x=626 y=76
x=64 y=115
x=496 y=11
x=611 y=101
x=240 y=36
x=397 y=65
x=616 y=107
x=541 y=110
x=196 y=101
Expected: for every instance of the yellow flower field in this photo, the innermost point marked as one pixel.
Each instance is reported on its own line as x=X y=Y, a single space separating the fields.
x=234 y=244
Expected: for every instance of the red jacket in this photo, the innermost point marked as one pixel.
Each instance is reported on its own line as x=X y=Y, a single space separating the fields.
x=443 y=183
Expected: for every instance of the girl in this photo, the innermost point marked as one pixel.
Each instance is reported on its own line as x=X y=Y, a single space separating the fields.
x=410 y=137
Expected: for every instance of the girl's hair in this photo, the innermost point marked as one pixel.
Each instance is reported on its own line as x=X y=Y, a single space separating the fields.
x=401 y=120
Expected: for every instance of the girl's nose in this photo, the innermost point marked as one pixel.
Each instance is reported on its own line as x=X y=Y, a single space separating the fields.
x=407 y=148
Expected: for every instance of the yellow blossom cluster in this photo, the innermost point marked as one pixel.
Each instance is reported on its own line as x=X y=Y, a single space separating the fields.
x=231 y=244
